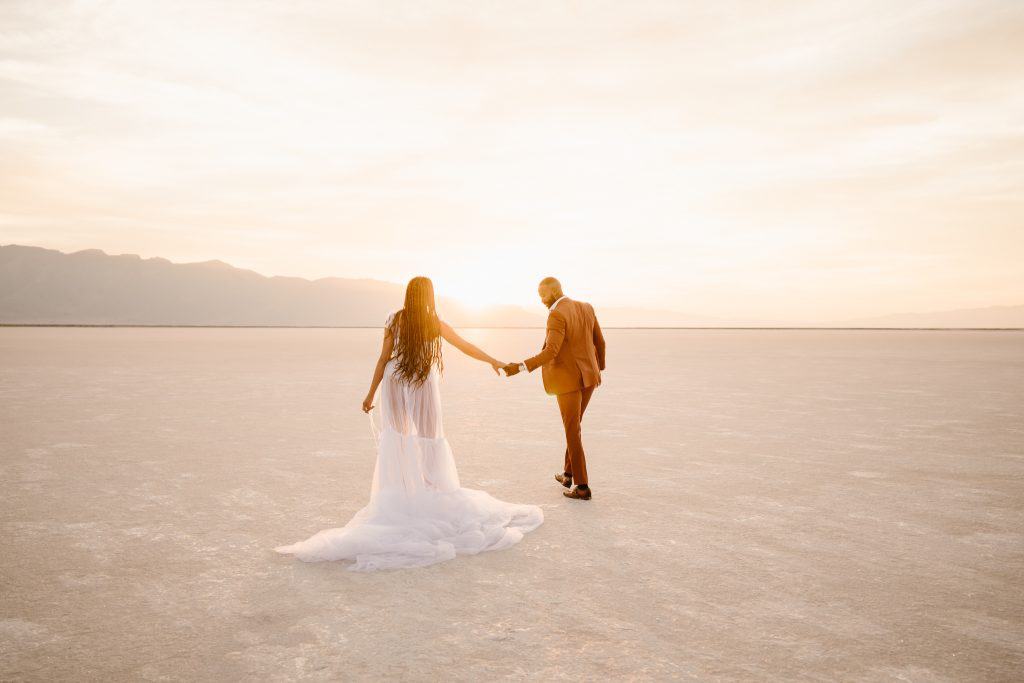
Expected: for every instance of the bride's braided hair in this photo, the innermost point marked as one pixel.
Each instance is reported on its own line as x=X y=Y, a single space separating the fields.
x=417 y=332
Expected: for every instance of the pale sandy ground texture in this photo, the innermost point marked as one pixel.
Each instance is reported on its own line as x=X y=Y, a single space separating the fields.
x=777 y=505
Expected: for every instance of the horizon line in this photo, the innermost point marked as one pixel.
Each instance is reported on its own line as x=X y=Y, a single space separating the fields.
x=523 y=307
x=541 y=327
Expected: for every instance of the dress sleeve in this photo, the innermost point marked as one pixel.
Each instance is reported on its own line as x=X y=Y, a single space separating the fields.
x=387 y=323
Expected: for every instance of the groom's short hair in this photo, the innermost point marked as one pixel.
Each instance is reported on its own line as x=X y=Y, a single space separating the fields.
x=551 y=282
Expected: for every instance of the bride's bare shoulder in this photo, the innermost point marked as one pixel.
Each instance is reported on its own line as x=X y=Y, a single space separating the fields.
x=449 y=334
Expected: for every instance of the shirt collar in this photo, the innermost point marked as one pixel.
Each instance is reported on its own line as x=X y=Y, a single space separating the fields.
x=552 y=306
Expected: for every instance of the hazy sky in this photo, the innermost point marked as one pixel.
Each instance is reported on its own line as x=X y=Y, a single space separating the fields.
x=771 y=160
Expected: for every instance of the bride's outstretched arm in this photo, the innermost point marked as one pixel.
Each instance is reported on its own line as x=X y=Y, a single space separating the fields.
x=378 y=372
x=452 y=337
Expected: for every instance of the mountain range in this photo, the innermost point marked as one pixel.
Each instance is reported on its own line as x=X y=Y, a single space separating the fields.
x=90 y=287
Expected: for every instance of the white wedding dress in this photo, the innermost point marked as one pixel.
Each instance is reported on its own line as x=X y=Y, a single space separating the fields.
x=418 y=514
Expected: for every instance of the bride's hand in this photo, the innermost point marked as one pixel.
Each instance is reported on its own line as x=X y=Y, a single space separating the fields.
x=497 y=365
x=368 y=404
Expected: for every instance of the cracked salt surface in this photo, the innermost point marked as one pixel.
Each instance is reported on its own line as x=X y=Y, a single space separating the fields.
x=768 y=505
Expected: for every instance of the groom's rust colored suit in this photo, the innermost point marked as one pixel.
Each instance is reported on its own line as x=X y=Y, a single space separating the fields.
x=571 y=362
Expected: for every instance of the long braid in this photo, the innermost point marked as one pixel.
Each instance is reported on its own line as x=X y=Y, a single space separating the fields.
x=418 y=332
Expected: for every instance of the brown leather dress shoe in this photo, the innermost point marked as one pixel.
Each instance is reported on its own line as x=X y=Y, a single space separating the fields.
x=577 y=493
x=564 y=480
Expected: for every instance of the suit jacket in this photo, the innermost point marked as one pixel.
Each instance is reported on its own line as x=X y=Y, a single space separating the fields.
x=573 y=353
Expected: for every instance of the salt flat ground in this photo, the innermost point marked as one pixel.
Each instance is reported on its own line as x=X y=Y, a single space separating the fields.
x=769 y=505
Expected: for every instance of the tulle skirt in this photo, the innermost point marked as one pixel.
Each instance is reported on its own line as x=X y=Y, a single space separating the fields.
x=418 y=513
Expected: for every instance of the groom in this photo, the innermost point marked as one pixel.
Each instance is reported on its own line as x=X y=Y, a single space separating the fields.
x=571 y=362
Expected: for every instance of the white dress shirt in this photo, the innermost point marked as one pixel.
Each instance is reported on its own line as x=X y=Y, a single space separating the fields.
x=522 y=366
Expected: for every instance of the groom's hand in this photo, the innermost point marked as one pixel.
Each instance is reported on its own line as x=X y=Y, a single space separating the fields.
x=511 y=369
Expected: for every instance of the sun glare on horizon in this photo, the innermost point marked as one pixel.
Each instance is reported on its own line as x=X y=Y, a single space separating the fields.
x=785 y=162
x=480 y=288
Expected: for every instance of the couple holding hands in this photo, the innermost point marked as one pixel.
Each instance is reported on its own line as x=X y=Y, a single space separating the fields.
x=418 y=512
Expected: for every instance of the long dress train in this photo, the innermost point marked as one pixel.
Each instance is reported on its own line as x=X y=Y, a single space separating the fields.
x=418 y=513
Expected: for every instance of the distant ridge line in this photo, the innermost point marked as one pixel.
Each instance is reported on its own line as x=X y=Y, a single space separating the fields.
x=45 y=287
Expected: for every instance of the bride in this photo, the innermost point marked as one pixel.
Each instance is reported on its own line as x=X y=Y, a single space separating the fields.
x=418 y=513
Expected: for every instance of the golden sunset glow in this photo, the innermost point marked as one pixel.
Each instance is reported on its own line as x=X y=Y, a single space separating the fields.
x=762 y=160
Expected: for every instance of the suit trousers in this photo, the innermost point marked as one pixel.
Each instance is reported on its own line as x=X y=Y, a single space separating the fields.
x=572 y=406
